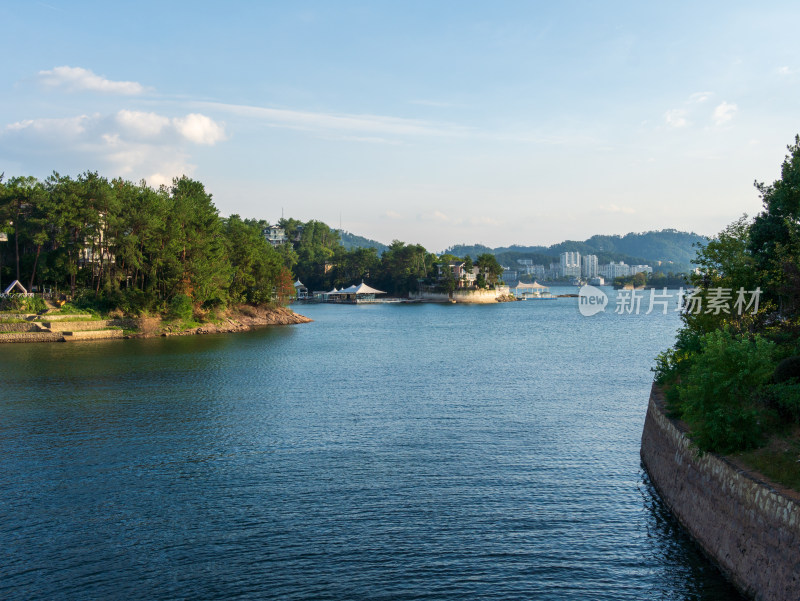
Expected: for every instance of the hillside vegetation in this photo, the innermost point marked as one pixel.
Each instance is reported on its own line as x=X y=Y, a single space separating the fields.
x=734 y=372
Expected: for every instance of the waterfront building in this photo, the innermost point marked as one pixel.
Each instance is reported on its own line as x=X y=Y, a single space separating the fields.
x=589 y=266
x=615 y=270
x=301 y=292
x=570 y=264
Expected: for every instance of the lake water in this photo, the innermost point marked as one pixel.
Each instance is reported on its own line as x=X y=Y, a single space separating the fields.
x=380 y=452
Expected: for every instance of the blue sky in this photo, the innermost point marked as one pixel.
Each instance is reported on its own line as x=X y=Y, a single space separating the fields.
x=429 y=122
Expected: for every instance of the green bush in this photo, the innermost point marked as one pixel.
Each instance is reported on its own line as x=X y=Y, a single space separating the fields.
x=785 y=398
x=787 y=369
x=30 y=304
x=718 y=394
x=180 y=307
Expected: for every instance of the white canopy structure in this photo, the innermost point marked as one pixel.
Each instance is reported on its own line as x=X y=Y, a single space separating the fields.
x=532 y=290
x=16 y=284
x=354 y=294
x=533 y=286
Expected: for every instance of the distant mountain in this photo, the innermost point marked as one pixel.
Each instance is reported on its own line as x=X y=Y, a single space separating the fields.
x=671 y=247
x=351 y=241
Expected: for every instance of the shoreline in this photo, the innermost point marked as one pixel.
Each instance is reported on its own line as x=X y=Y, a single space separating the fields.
x=748 y=525
x=240 y=319
x=34 y=328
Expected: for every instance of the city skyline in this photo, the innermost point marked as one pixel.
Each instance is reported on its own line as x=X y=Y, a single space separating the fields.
x=434 y=124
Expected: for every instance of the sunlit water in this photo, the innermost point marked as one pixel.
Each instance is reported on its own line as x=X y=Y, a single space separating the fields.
x=380 y=452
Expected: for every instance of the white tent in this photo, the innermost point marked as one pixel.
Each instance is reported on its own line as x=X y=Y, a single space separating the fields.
x=362 y=288
x=533 y=286
x=15 y=284
x=355 y=293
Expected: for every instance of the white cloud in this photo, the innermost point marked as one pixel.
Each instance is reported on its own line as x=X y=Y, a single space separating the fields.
x=375 y=125
x=393 y=214
x=784 y=70
x=142 y=124
x=676 y=118
x=199 y=129
x=724 y=112
x=130 y=144
x=612 y=208
x=436 y=216
x=78 y=79
x=68 y=127
x=700 y=97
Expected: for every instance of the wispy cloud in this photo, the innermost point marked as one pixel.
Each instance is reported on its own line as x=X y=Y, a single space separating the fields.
x=700 y=97
x=434 y=103
x=724 y=112
x=66 y=127
x=612 y=208
x=142 y=124
x=374 y=125
x=676 y=118
x=79 y=79
x=435 y=215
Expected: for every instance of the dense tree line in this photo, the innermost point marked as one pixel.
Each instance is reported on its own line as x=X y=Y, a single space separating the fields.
x=118 y=244
x=734 y=373
x=128 y=245
x=317 y=257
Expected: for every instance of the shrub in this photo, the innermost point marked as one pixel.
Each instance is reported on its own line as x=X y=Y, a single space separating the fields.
x=785 y=398
x=180 y=307
x=718 y=394
x=787 y=369
x=30 y=304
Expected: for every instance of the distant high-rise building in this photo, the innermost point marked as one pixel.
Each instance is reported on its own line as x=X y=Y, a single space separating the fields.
x=570 y=265
x=615 y=270
x=589 y=266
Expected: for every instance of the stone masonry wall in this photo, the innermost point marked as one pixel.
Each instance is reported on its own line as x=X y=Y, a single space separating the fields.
x=19 y=327
x=32 y=337
x=750 y=529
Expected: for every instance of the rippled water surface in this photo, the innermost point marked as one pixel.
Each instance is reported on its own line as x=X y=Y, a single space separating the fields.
x=380 y=452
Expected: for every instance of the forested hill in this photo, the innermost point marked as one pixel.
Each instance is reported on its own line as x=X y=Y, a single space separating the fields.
x=351 y=241
x=667 y=245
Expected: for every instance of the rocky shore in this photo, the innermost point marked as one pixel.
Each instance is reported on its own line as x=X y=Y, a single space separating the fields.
x=238 y=319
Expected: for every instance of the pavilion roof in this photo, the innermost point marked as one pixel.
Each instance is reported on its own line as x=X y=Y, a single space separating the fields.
x=361 y=288
x=533 y=286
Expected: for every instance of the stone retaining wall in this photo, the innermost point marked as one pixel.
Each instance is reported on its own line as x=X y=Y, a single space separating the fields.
x=19 y=327
x=747 y=526
x=96 y=335
x=32 y=337
x=75 y=326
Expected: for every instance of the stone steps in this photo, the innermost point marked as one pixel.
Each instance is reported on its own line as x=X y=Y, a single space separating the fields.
x=91 y=335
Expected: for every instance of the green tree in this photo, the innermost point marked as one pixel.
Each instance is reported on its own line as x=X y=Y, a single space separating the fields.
x=490 y=268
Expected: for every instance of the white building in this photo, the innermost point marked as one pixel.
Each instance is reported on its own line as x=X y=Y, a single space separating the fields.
x=275 y=235
x=615 y=270
x=589 y=266
x=570 y=265
x=641 y=269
